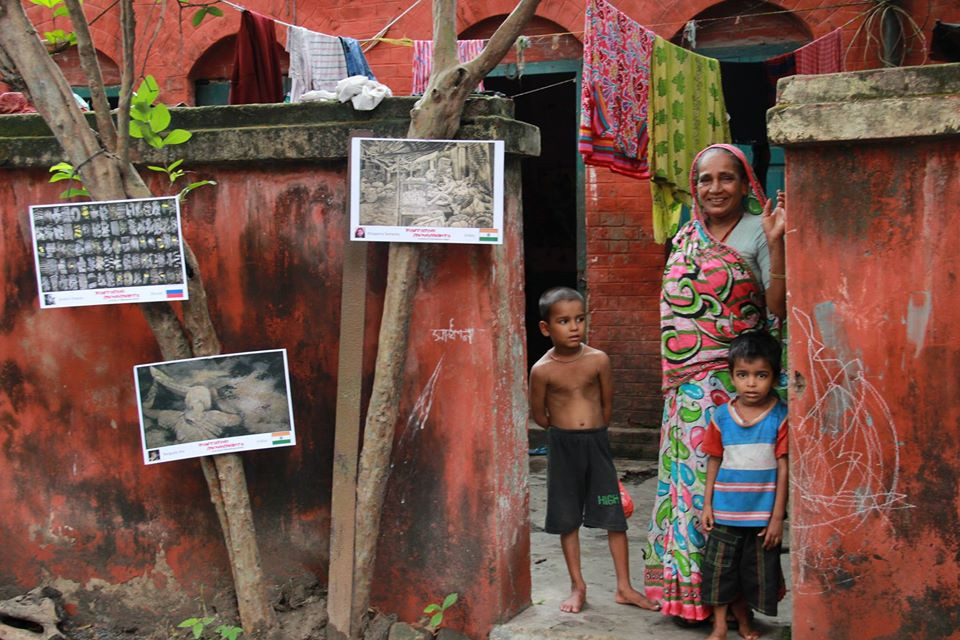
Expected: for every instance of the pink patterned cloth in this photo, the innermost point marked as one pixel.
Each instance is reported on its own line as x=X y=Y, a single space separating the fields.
x=467 y=50
x=15 y=102
x=616 y=86
x=823 y=55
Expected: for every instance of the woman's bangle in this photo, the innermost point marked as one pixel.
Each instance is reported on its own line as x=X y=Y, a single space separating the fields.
x=778 y=276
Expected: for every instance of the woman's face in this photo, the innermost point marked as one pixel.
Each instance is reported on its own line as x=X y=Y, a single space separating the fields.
x=720 y=188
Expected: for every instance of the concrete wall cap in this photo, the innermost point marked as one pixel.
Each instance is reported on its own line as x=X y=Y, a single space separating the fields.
x=281 y=132
x=881 y=104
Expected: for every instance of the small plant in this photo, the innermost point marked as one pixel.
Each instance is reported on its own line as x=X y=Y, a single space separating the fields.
x=198 y=626
x=174 y=173
x=148 y=121
x=436 y=611
x=65 y=171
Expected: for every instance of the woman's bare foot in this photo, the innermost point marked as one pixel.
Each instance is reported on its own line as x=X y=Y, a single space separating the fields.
x=637 y=599
x=578 y=598
x=747 y=633
x=719 y=632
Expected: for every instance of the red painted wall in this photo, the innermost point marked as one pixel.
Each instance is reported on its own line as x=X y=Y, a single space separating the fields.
x=874 y=351
x=82 y=511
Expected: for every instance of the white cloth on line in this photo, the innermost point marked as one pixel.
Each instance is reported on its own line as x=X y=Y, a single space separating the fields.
x=316 y=61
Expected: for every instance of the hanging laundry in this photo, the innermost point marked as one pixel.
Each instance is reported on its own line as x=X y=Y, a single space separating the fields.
x=467 y=50
x=15 y=102
x=945 y=43
x=686 y=114
x=778 y=67
x=823 y=55
x=616 y=84
x=316 y=62
x=256 y=76
x=356 y=62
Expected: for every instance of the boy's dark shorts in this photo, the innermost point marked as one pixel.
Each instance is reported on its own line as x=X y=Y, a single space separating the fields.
x=736 y=564
x=582 y=485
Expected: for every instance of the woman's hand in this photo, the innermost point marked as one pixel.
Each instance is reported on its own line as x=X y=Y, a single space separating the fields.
x=774 y=220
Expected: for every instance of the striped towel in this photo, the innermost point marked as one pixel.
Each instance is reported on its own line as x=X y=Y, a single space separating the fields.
x=467 y=50
x=823 y=55
x=316 y=62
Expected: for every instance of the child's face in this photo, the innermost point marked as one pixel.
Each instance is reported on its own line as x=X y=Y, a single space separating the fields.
x=753 y=380
x=567 y=324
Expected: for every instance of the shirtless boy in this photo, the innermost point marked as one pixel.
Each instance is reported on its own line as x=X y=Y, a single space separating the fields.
x=571 y=393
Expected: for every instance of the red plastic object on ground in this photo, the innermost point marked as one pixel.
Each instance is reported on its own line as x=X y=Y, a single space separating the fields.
x=625 y=500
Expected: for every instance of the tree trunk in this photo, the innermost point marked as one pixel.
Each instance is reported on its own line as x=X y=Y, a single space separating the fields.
x=108 y=176
x=436 y=115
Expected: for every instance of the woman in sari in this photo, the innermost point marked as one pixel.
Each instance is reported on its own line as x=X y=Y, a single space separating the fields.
x=723 y=276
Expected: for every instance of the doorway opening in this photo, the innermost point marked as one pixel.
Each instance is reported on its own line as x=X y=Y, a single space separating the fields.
x=547 y=96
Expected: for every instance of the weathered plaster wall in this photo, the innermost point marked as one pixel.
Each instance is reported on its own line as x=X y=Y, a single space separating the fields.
x=82 y=512
x=874 y=352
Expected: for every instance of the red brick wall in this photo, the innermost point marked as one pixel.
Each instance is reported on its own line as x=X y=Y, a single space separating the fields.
x=623 y=286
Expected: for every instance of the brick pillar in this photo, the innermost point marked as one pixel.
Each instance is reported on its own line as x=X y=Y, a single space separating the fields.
x=873 y=181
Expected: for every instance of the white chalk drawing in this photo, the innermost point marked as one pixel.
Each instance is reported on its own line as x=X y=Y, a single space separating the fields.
x=416 y=421
x=452 y=334
x=845 y=454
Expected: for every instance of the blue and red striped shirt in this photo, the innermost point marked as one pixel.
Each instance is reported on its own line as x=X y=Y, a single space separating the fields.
x=746 y=484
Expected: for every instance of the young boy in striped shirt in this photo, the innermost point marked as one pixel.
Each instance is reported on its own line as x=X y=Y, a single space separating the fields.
x=746 y=493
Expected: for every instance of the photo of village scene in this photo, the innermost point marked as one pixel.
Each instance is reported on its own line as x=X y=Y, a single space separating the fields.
x=216 y=404
x=427 y=190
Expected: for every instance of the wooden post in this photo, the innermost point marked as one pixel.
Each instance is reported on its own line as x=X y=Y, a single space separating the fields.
x=346 y=443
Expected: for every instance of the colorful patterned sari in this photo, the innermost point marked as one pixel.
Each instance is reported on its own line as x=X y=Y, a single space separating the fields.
x=709 y=297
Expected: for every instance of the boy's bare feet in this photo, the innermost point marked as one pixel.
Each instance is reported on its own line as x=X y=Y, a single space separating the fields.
x=573 y=604
x=637 y=599
x=748 y=633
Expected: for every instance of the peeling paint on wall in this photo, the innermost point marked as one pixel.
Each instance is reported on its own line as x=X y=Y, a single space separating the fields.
x=918 y=316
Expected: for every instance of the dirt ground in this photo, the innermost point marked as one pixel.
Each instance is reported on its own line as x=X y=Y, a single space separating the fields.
x=602 y=618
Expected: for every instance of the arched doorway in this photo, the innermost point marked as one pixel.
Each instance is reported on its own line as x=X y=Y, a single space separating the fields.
x=742 y=35
x=210 y=74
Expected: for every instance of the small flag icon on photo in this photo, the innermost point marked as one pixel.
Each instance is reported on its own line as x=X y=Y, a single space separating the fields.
x=174 y=293
x=488 y=235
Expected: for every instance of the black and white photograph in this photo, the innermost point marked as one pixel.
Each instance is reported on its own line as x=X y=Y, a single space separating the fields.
x=217 y=404
x=426 y=190
x=108 y=252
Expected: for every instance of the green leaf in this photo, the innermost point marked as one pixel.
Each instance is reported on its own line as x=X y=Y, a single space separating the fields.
x=60 y=11
x=160 y=118
x=189 y=622
x=136 y=129
x=173 y=165
x=61 y=166
x=148 y=90
x=436 y=620
x=177 y=136
x=228 y=632
x=430 y=608
x=197 y=631
x=74 y=193
x=450 y=600
x=194 y=185
x=198 y=16
x=207 y=620
x=156 y=168
x=57 y=177
x=215 y=11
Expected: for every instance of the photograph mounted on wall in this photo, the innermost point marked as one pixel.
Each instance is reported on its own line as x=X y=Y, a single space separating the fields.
x=216 y=404
x=426 y=190
x=108 y=252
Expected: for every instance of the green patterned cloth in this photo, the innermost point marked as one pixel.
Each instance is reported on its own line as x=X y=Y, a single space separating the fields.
x=686 y=114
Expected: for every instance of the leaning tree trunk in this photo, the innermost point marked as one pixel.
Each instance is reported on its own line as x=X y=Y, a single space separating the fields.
x=436 y=115
x=101 y=161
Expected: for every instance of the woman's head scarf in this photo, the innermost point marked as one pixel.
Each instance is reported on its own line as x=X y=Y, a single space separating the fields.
x=755 y=196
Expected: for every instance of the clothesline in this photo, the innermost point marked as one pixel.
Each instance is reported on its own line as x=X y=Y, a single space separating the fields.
x=408 y=42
